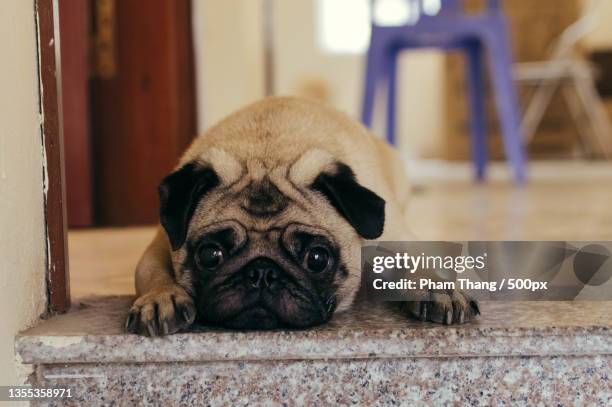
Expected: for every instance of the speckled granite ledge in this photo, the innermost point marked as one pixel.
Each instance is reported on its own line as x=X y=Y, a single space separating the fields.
x=93 y=333
x=517 y=354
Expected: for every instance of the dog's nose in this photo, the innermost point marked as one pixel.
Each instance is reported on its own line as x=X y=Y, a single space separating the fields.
x=262 y=273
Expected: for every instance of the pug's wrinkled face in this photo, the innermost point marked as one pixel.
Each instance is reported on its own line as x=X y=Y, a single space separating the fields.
x=262 y=247
x=259 y=279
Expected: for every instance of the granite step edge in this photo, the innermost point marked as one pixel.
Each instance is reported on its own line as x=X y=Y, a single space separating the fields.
x=207 y=348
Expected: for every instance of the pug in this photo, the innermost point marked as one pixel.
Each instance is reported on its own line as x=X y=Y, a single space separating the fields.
x=262 y=222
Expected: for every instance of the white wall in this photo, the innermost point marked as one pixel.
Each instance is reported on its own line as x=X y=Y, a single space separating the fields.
x=229 y=60
x=601 y=36
x=22 y=245
x=300 y=61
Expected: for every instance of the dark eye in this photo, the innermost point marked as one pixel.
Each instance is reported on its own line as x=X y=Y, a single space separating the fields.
x=317 y=259
x=211 y=256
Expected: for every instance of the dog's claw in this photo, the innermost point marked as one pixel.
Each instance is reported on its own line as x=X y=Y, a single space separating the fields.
x=152 y=331
x=188 y=316
x=131 y=324
x=474 y=307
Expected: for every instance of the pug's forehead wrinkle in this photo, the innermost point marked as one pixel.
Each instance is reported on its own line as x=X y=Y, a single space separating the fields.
x=292 y=186
x=257 y=169
x=228 y=168
x=233 y=224
x=296 y=195
x=278 y=178
x=265 y=230
x=236 y=176
x=263 y=199
x=312 y=230
x=312 y=163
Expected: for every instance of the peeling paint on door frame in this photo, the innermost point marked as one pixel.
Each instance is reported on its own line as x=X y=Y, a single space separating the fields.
x=58 y=289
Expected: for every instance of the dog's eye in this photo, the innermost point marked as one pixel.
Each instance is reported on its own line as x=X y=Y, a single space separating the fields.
x=317 y=259
x=211 y=256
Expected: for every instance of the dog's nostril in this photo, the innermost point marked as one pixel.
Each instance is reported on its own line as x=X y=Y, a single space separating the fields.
x=252 y=276
x=255 y=276
x=270 y=276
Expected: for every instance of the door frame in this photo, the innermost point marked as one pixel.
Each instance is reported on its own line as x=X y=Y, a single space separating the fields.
x=58 y=282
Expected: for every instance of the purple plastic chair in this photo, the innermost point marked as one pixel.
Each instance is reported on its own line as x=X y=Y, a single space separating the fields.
x=451 y=29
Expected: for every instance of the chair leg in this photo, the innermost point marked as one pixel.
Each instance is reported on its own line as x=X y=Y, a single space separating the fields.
x=585 y=132
x=537 y=106
x=506 y=99
x=476 y=93
x=391 y=96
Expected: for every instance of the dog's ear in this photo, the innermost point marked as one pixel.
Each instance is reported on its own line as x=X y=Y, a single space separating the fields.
x=179 y=194
x=362 y=208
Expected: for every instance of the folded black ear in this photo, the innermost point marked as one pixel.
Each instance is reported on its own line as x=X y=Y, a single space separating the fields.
x=362 y=208
x=179 y=194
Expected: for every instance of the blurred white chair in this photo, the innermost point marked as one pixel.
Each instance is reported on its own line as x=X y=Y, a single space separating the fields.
x=575 y=77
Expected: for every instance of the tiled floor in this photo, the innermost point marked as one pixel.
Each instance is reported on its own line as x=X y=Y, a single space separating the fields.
x=102 y=261
x=563 y=201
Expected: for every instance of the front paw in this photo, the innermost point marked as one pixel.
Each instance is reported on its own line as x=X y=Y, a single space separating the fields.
x=162 y=311
x=443 y=307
